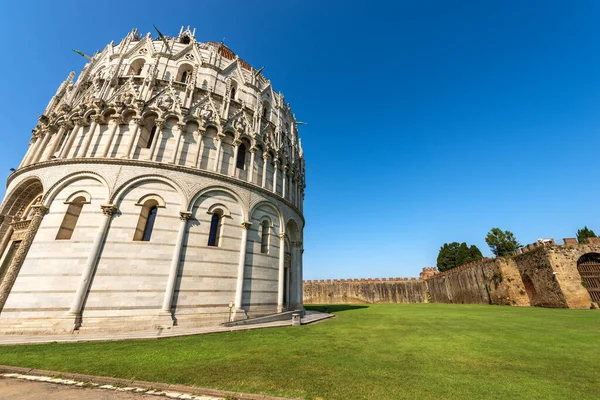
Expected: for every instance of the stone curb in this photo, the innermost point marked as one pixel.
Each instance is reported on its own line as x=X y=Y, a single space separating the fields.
x=105 y=380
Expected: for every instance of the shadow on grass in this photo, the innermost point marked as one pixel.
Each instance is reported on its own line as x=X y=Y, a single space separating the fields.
x=333 y=308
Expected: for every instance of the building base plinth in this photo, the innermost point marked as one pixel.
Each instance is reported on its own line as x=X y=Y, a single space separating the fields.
x=239 y=315
x=164 y=321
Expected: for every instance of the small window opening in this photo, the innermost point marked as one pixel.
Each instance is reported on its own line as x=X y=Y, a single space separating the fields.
x=70 y=219
x=150 y=224
x=185 y=40
x=184 y=76
x=215 y=228
x=233 y=93
x=143 y=231
x=241 y=156
x=264 y=241
x=151 y=137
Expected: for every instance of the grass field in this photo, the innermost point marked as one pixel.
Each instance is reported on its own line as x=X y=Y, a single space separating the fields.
x=395 y=351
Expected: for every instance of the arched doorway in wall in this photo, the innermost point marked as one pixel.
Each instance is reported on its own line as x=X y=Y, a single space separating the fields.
x=18 y=209
x=588 y=266
x=529 y=288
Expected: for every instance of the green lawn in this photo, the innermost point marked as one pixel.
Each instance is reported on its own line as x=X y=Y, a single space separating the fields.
x=390 y=351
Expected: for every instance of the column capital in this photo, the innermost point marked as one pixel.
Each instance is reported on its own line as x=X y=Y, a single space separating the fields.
x=81 y=122
x=180 y=126
x=137 y=120
x=96 y=118
x=246 y=224
x=281 y=235
x=66 y=125
x=40 y=209
x=52 y=129
x=109 y=209
x=265 y=155
x=116 y=119
x=185 y=215
x=160 y=123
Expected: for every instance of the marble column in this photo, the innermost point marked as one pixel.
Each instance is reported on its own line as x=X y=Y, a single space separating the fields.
x=218 y=155
x=17 y=261
x=241 y=266
x=236 y=148
x=39 y=138
x=166 y=316
x=297 y=259
x=264 y=170
x=96 y=119
x=40 y=152
x=30 y=150
x=160 y=124
x=199 y=148
x=281 y=281
x=137 y=123
x=275 y=168
x=57 y=141
x=284 y=183
x=180 y=130
x=115 y=122
x=251 y=167
x=90 y=265
x=79 y=127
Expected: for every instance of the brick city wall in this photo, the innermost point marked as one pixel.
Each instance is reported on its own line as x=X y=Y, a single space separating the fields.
x=541 y=274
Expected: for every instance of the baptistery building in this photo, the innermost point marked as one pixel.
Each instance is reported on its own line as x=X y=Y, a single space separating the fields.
x=162 y=187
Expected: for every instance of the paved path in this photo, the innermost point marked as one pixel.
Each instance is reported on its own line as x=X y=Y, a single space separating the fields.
x=20 y=389
x=310 y=317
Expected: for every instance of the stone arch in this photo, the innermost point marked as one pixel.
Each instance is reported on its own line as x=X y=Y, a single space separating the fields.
x=120 y=192
x=21 y=195
x=213 y=188
x=67 y=180
x=273 y=207
x=588 y=266
x=184 y=72
x=136 y=66
x=529 y=288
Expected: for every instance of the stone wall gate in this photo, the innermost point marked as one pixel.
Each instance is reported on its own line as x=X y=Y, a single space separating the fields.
x=589 y=269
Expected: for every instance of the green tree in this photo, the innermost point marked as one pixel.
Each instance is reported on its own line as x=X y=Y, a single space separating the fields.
x=502 y=243
x=455 y=254
x=584 y=234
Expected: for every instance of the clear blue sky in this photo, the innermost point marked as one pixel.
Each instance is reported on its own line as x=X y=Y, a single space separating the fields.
x=428 y=121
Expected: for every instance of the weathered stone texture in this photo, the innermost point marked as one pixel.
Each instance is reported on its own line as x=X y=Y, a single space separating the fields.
x=365 y=292
x=542 y=274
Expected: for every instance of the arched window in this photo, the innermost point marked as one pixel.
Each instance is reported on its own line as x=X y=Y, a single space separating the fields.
x=143 y=231
x=136 y=67
x=233 y=93
x=151 y=137
x=264 y=239
x=265 y=110
x=70 y=219
x=184 y=72
x=215 y=229
x=241 y=156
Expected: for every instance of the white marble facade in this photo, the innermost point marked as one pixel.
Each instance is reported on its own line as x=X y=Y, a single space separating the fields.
x=188 y=136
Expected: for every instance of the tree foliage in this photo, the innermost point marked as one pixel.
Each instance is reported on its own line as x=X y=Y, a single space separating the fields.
x=502 y=243
x=455 y=254
x=584 y=234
